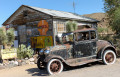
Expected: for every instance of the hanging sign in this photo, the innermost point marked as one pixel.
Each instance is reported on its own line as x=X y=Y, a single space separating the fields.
x=43 y=27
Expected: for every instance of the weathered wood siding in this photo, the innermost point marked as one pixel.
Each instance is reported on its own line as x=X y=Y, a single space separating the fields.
x=30 y=22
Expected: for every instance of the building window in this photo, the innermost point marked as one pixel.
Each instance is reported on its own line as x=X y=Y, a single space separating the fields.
x=61 y=27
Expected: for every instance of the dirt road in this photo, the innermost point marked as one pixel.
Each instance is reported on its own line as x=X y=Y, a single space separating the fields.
x=90 y=70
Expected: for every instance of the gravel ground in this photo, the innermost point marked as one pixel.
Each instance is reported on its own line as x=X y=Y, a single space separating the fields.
x=95 y=69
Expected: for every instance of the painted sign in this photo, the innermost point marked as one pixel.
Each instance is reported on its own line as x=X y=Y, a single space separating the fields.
x=9 y=53
x=43 y=27
x=41 y=41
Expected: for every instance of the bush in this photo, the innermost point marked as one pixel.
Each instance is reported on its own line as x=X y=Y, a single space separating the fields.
x=23 y=52
x=2 y=37
x=71 y=26
x=10 y=36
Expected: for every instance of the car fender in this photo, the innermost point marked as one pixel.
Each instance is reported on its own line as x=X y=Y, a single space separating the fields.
x=49 y=57
x=101 y=51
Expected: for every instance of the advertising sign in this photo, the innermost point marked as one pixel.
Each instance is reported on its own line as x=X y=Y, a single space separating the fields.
x=41 y=41
x=43 y=27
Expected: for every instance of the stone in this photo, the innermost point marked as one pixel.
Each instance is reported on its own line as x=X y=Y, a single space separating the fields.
x=16 y=63
x=27 y=62
x=23 y=60
x=19 y=63
x=31 y=59
x=23 y=63
x=32 y=63
x=26 y=58
x=1 y=64
x=10 y=65
x=2 y=67
x=5 y=62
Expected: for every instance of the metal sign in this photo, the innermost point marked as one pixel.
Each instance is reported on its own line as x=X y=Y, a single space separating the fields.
x=43 y=27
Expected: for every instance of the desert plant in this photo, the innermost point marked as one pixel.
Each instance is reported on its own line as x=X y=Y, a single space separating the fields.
x=10 y=36
x=3 y=39
x=71 y=26
x=23 y=51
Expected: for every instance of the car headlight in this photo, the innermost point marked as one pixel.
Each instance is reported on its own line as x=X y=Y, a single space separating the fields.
x=47 y=51
x=41 y=51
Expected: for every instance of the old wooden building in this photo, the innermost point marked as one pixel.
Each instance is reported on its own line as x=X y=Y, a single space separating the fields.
x=33 y=21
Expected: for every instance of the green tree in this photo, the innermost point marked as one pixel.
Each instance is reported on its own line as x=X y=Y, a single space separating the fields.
x=112 y=7
x=71 y=26
x=2 y=36
x=10 y=36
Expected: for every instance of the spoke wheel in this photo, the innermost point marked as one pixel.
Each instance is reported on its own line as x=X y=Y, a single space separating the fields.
x=109 y=57
x=54 y=66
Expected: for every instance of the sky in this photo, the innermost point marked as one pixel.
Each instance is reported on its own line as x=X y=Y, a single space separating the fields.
x=8 y=7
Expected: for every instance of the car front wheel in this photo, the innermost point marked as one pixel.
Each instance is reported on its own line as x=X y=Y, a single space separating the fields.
x=109 y=57
x=40 y=64
x=54 y=66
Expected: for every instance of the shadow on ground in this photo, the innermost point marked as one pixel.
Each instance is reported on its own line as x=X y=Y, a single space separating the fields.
x=37 y=72
x=84 y=66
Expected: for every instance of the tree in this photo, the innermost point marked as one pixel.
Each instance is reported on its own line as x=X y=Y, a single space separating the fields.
x=2 y=36
x=71 y=26
x=112 y=7
x=10 y=36
x=7 y=37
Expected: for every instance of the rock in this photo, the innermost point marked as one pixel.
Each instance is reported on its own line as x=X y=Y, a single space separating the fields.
x=19 y=63
x=2 y=67
x=23 y=63
x=19 y=60
x=10 y=65
x=5 y=62
x=31 y=59
x=27 y=62
x=1 y=64
x=26 y=58
x=23 y=60
x=16 y=63
x=11 y=62
x=32 y=63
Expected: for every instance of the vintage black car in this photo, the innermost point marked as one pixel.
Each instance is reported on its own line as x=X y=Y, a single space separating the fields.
x=76 y=48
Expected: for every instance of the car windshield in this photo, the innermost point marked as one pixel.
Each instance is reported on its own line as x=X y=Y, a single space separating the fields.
x=67 y=38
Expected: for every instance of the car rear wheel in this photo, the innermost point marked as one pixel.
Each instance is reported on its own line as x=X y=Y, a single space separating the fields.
x=54 y=66
x=109 y=57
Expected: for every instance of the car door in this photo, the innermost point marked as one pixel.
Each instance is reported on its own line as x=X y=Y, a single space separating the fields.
x=93 y=39
x=83 y=46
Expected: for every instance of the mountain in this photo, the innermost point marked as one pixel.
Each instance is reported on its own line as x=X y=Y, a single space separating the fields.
x=103 y=25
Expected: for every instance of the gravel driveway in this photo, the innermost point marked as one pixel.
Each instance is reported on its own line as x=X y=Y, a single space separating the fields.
x=95 y=69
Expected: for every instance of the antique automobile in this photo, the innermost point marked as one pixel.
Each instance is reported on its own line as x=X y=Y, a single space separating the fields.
x=74 y=49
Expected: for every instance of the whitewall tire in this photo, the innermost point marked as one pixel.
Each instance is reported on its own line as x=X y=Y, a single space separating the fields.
x=54 y=66
x=109 y=57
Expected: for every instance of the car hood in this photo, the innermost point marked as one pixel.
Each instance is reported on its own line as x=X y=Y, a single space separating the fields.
x=57 y=47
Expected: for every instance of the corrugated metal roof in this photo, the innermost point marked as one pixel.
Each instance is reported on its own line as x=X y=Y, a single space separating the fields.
x=62 y=14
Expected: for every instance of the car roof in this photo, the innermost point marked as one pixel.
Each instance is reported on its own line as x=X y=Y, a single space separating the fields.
x=84 y=30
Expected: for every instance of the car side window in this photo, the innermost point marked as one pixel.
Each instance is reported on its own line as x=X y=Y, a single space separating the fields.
x=93 y=35
x=81 y=36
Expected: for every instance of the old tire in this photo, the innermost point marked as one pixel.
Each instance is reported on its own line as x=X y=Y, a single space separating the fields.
x=54 y=66
x=40 y=64
x=109 y=57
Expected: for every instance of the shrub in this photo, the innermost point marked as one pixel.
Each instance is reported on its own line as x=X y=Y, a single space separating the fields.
x=2 y=37
x=10 y=36
x=71 y=26
x=23 y=52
